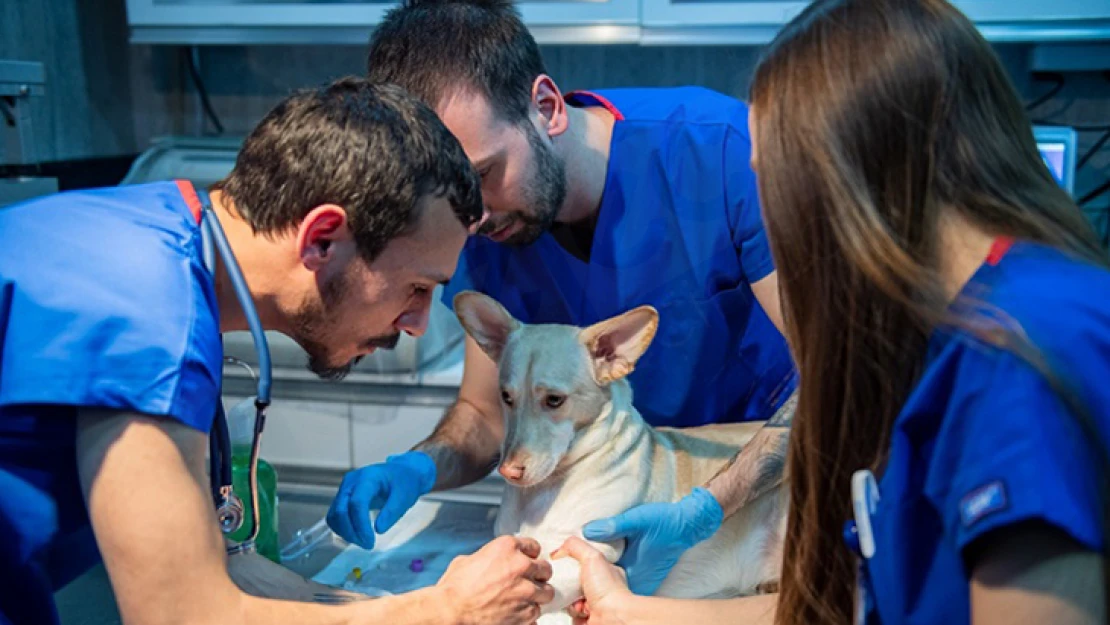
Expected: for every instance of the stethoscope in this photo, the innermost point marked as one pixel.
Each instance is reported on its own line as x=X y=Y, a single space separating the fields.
x=229 y=507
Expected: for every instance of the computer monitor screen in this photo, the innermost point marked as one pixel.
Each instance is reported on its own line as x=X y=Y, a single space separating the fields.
x=1053 y=155
x=1057 y=145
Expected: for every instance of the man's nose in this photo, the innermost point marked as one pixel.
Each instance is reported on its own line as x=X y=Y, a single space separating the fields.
x=415 y=322
x=478 y=224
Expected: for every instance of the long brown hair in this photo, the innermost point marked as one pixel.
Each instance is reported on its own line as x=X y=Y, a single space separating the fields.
x=873 y=118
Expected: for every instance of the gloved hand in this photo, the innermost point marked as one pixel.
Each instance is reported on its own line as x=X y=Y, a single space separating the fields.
x=658 y=534
x=392 y=486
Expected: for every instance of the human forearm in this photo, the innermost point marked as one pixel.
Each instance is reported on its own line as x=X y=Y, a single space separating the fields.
x=638 y=610
x=753 y=471
x=758 y=467
x=420 y=607
x=464 y=446
x=127 y=457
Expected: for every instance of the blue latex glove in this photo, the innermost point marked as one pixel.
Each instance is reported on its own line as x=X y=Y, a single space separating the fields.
x=392 y=487
x=658 y=534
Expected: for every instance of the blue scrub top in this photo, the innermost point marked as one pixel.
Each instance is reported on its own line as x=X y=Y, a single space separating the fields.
x=680 y=229
x=104 y=302
x=983 y=442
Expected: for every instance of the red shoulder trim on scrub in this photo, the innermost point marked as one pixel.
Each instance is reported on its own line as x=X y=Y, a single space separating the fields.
x=999 y=248
x=191 y=198
x=589 y=95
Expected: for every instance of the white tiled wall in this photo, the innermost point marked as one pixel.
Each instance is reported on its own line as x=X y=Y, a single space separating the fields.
x=379 y=431
x=309 y=434
x=340 y=435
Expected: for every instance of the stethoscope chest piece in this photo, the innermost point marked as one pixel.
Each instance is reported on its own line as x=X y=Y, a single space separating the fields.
x=230 y=511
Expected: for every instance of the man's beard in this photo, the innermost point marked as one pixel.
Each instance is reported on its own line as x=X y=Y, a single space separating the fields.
x=313 y=323
x=543 y=195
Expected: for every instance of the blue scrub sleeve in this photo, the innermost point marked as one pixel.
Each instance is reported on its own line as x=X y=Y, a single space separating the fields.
x=118 y=333
x=1010 y=452
x=745 y=218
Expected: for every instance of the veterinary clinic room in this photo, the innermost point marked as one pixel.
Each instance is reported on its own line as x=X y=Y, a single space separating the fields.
x=568 y=312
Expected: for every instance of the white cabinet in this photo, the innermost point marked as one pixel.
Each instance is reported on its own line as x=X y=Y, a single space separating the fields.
x=725 y=22
x=1058 y=12
x=186 y=22
x=1039 y=21
x=715 y=22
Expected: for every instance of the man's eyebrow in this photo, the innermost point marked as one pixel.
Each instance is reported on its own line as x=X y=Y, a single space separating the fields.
x=486 y=160
x=437 y=277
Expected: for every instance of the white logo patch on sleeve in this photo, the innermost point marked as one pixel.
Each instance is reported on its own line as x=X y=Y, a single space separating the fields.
x=982 y=501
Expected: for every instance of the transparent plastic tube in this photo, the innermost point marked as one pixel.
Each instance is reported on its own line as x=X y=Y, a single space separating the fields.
x=306 y=541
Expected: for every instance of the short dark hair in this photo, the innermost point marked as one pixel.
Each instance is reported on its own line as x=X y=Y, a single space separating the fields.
x=371 y=148
x=434 y=47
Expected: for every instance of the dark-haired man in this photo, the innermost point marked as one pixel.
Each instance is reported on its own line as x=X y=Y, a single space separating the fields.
x=599 y=202
x=347 y=205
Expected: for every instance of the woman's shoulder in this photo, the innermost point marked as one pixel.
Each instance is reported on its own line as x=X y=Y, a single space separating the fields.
x=1055 y=300
x=1035 y=317
x=1035 y=276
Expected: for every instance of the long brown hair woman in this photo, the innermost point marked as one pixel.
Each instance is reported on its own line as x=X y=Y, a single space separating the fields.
x=948 y=308
x=949 y=311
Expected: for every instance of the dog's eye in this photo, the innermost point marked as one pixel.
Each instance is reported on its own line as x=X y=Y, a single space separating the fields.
x=507 y=398
x=554 y=401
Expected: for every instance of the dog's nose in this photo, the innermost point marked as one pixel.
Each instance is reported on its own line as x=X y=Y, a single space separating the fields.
x=511 y=472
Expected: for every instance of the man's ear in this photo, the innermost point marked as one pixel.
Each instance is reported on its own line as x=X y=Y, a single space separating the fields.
x=616 y=344
x=486 y=321
x=321 y=229
x=551 y=105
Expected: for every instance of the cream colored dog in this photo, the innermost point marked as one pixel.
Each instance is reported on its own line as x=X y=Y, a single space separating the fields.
x=576 y=450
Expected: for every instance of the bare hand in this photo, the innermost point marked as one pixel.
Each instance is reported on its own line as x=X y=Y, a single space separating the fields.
x=603 y=583
x=502 y=583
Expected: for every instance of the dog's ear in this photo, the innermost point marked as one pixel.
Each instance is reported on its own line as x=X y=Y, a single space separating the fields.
x=616 y=344
x=486 y=321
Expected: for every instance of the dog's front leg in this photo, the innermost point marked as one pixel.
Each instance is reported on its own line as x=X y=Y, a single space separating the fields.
x=566 y=573
x=567 y=582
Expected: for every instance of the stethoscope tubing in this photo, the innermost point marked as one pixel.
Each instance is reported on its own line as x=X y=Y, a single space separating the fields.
x=214 y=241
